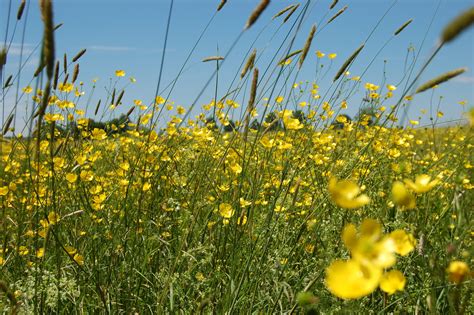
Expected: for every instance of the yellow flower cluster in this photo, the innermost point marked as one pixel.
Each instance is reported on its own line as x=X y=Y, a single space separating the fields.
x=371 y=253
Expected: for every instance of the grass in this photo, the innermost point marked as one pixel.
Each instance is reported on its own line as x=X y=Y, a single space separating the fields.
x=207 y=214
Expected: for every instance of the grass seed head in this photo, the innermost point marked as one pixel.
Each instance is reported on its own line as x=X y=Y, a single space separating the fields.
x=256 y=13
x=401 y=28
x=221 y=5
x=290 y=13
x=21 y=8
x=307 y=46
x=283 y=11
x=440 y=79
x=79 y=55
x=56 y=75
x=213 y=58
x=337 y=14
x=348 y=62
x=249 y=64
x=75 y=73
x=458 y=25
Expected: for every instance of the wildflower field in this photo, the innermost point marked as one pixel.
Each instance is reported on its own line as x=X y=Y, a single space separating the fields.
x=266 y=199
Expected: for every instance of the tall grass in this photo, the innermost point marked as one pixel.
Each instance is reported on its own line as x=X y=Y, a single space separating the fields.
x=239 y=209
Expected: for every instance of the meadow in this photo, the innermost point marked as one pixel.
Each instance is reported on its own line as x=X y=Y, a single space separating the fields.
x=266 y=201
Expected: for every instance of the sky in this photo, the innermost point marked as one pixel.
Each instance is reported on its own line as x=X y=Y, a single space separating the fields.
x=130 y=35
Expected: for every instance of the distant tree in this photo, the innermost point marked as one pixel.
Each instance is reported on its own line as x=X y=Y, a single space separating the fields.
x=367 y=116
x=211 y=123
x=272 y=121
x=300 y=115
x=339 y=125
x=255 y=125
x=230 y=127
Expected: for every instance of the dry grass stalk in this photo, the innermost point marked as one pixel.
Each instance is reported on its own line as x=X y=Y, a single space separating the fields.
x=75 y=73
x=113 y=97
x=348 y=62
x=97 y=107
x=56 y=75
x=119 y=98
x=249 y=64
x=307 y=46
x=130 y=111
x=39 y=69
x=290 y=13
x=65 y=63
x=251 y=104
x=401 y=28
x=337 y=14
x=21 y=8
x=212 y=58
x=333 y=4
x=440 y=79
x=57 y=26
x=7 y=124
x=66 y=78
x=48 y=36
x=221 y=5
x=8 y=81
x=288 y=8
x=79 y=55
x=292 y=54
x=458 y=25
x=256 y=13
x=3 y=58
x=45 y=101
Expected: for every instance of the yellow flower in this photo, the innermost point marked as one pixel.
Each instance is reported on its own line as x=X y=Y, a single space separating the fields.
x=371 y=86
x=267 y=143
x=458 y=271
x=3 y=190
x=236 y=168
x=292 y=123
x=391 y=87
x=71 y=177
x=53 y=217
x=332 y=56
x=40 y=252
x=402 y=197
x=422 y=184
x=368 y=246
x=279 y=99
x=79 y=259
x=98 y=134
x=65 y=87
x=28 y=89
x=345 y=194
x=320 y=54
x=226 y=210
x=392 y=281
x=404 y=242
x=22 y=250
x=119 y=73
x=351 y=279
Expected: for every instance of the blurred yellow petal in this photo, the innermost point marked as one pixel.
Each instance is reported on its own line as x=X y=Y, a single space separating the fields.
x=352 y=280
x=392 y=281
x=402 y=197
x=404 y=242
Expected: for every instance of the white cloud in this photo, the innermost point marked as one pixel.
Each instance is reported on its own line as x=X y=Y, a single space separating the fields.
x=111 y=48
x=464 y=79
x=15 y=49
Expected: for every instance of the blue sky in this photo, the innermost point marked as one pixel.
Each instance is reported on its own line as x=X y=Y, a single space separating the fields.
x=129 y=35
